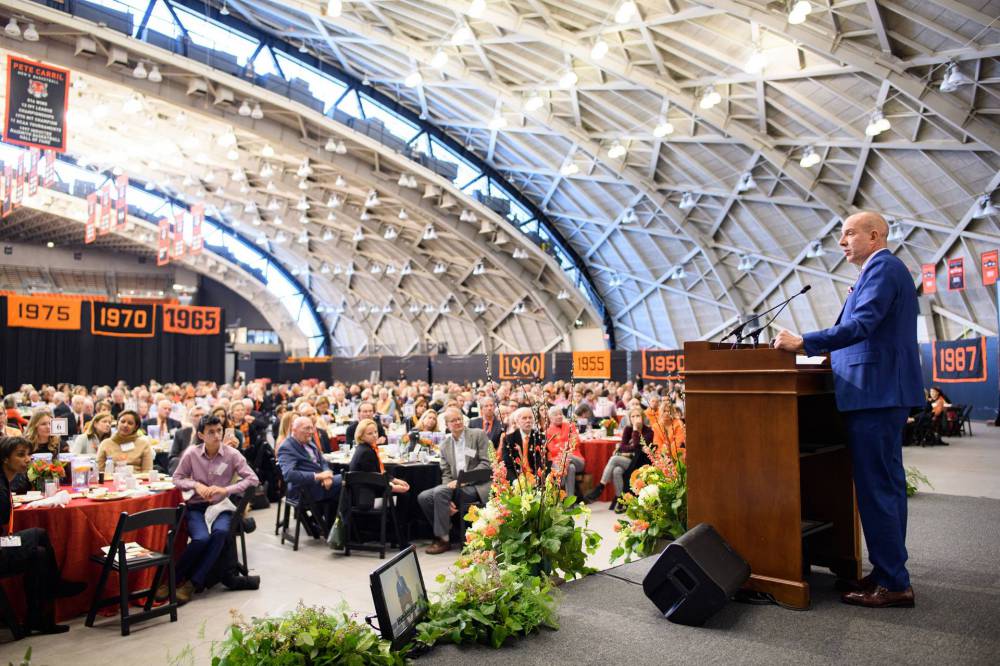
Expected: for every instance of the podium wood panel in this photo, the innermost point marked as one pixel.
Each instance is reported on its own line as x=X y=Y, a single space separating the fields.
x=749 y=413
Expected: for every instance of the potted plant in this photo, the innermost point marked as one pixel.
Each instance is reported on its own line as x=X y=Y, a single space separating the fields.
x=40 y=471
x=656 y=508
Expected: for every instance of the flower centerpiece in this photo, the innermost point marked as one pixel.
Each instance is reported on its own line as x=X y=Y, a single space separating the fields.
x=531 y=521
x=656 y=507
x=40 y=471
x=609 y=424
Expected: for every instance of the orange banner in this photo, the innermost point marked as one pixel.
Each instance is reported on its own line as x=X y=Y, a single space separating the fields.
x=522 y=367
x=123 y=320
x=41 y=312
x=592 y=365
x=191 y=319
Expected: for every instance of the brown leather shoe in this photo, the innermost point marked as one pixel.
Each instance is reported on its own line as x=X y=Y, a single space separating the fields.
x=439 y=546
x=866 y=584
x=880 y=598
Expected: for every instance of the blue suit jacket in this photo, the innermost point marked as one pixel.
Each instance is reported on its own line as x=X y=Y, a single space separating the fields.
x=873 y=345
x=299 y=468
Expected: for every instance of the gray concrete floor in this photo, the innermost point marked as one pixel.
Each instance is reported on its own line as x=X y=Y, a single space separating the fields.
x=316 y=576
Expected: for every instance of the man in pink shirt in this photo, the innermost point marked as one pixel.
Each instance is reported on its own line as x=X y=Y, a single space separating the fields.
x=208 y=470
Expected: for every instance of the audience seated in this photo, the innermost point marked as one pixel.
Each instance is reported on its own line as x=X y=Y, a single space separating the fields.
x=165 y=426
x=306 y=473
x=96 y=431
x=522 y=449
x=488 y=421
x=366 y=411
x=559 y=435
x=6 y=429
x=127 y=445
x=184 y=437
x=366 y=458
x=636 y=434
x=463 y=449
x=208 y=470
x=39 y=434
x=29 y=552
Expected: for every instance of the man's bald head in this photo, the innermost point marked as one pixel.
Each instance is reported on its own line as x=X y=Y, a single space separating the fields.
x=303 y=429
x=863 y=234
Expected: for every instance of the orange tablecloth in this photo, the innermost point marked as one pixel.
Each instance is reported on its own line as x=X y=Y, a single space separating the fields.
x=78 y=531
x=596 y=453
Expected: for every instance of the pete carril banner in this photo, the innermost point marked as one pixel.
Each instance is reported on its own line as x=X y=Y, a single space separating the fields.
x=928 y=276
x=37 y=97
x=662 y=364
x=959 y=360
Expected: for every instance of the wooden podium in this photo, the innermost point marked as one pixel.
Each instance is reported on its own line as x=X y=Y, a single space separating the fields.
x=768 y=465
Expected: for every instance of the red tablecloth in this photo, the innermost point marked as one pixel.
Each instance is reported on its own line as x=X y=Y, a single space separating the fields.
x=78 y=531
x=597 y=452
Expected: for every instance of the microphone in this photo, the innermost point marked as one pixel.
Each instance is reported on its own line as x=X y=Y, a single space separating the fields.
x=739 y=329
x=755 y=334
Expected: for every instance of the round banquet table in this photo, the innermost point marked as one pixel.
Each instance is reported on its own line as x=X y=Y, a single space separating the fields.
x=420 y=476
x=78 y=531
x=596 y=453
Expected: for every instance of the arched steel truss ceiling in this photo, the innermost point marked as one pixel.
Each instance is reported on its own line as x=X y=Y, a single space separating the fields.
x=525 y=280
x=853 y=57
x=358 y=84
x=518 y=28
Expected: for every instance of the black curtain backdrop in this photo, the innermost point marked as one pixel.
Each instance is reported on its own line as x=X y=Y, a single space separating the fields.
x=350 y=370
x=35 y=356
x=461 y=368
x=417 y=368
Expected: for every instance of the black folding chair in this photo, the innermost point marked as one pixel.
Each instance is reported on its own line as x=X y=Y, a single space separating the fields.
x=360 y=490
x=7 y=611
x=965 y=420
x=304 y=512
x=236 y=530
x=116 y=560
x=462 y=502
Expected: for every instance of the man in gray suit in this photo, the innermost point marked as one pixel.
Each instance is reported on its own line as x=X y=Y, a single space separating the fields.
x=464 y=449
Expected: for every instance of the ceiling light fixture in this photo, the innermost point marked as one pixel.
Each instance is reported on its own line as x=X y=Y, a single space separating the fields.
x=406 y=269
x=334 y=8
x=710 y=98
x=267 y=150
x=896 y=234
x=341 y=148
x=340 y=182
x=479 y=269
x=626 y=12
x=327 y=234
x=953 y=78
x=617 y=150
x=304 y=170
x=139 y=72
x=302 y=204
x=746 y=263
x=497 y=122
x=430 y=233
x=798 y=12
x=687 y=201
x=533 y=102
x=154 y=75
x=402 y=214
x=568 y=79
x=985 y=207
x=678 y=273
x=266 y=170
x=30 y=33
x=12 y=29
x=476 y=9
x=233 y=154
x=440 y=268
x=817 y=250
x=440 y=59
x=133 y=104
x=757 y=61
x=746 y=182
x=225 y=8
x=244 y=109
x=569 y=168
x=663 y=128
x=599 y=50
x=359 y=235
x=810 y=158
x=390 y=233
x=372 y=200
x=228 y=138
x=413 y=80
x=463 y=35
x=257 y=113
x=877 y=124
x=519 y=253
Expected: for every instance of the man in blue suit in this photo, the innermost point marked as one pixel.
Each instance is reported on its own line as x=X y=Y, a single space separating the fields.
x=877 y=379
x=306 y=473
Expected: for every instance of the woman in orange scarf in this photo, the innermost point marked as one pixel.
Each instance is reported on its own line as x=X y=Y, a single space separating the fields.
x=669 y=429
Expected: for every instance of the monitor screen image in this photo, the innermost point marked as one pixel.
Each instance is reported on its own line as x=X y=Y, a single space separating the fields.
x=399 y=595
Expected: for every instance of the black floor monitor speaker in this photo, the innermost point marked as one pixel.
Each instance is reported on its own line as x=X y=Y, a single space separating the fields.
x=695 y=576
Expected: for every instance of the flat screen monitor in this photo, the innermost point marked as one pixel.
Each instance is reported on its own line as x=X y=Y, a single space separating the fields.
x=400 y=597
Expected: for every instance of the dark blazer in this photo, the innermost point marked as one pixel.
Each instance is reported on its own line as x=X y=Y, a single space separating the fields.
x=299 y=467
x=353 y=427
x=183 y=438
x=512 y=453
x=64 y=411
x=172 y=424
x=873 y=345
x=494 y=433
x=628 y=445
x=365 y=459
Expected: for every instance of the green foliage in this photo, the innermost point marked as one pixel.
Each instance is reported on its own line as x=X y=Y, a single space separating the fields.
x=488 y=603
x=534 y=525
x=914 y=477
x=655 y=509
x=308 y=636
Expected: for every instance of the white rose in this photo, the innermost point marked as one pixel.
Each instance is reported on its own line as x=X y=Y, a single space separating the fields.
x=649 y=494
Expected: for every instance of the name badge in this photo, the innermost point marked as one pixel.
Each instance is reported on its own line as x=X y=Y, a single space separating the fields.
x=10 y=542
x=469 y=453
x=128 y=446
x=219 y=469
